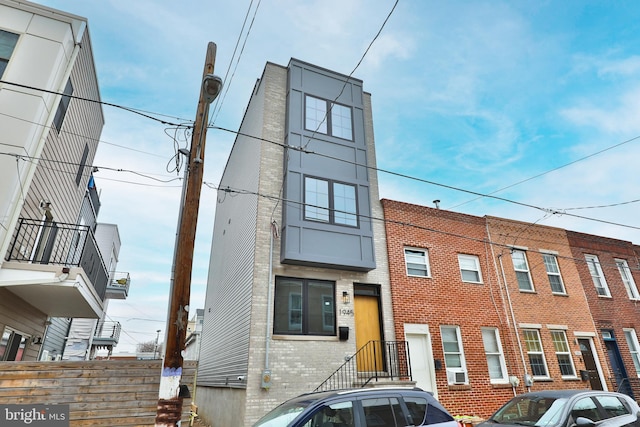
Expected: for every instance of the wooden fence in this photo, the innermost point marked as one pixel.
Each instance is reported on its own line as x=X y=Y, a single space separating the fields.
x=98 y=392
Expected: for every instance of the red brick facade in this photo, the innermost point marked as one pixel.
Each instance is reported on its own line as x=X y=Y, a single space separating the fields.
x=616 y=312
x=444 y=298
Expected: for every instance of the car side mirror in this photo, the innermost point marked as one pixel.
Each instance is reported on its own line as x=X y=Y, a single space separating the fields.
x=584 y=422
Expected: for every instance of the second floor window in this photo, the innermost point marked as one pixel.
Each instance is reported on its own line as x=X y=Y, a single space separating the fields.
x=553 y=273
x=61 y=112
x=522 y=270
x=470 y=268
x=627 y=279
x=325 y=117
x=597 y=275
x=330 y=201
x=417 y=262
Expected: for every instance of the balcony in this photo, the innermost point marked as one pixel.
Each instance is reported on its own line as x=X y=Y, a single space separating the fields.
x=57 y=268
x=107 y=335
x=118 y=287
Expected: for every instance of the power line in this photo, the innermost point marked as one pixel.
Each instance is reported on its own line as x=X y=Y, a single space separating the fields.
x=425 y=181
x=301 y=205
x=142 y=113
x=101 y=141
x=553 y=170
x=219 y=103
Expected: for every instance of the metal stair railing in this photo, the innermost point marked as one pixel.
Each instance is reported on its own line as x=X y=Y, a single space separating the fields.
x=374 y=361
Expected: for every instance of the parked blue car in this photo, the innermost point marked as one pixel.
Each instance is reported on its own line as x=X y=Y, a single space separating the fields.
x=370 y=407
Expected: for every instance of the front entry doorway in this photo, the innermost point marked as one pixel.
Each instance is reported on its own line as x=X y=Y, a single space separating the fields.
x=368 y=324
x=421 y=357
x=590 y=363
x=616 y=363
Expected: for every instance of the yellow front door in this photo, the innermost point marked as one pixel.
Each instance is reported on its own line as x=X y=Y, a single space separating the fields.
x=367 y=317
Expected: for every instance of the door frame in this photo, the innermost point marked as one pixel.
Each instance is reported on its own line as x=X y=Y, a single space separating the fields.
x=423 y=330
x=372 y=290
x=596 y=358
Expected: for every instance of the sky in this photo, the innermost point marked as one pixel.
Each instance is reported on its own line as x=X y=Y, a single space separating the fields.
x=533 y=104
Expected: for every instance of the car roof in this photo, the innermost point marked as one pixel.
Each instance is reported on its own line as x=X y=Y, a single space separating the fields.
x=364 y=391
x=566 y=393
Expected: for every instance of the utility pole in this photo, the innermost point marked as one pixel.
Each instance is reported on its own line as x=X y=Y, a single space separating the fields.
x=171 y=391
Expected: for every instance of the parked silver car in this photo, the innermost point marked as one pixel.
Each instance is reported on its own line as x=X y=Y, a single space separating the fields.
x=371 y=407
x=567 y=408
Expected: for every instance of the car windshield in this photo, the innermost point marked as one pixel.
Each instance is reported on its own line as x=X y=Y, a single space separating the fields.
x=538 y=411
x=283 y=414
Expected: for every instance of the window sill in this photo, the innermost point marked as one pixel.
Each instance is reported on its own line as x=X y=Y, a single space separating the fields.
x=501 y=385
x=560 y=294
x=305 y=337
x=459 y=387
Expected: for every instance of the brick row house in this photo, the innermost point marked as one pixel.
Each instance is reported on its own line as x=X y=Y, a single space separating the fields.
x=309 y=269
x=493 y=307
x=57 y=265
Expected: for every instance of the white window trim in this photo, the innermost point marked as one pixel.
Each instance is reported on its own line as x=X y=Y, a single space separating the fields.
x=528 y=270
x=593 y=260
x=426 y=261
x=500 y=354
x=463 y=363
x=629 y=283
x=632 y=341
x=566 y=353
x=553 y=273
x=541 y=352
x=476 y=261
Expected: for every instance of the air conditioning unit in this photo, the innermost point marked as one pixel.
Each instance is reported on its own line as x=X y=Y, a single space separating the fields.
x=457 y=377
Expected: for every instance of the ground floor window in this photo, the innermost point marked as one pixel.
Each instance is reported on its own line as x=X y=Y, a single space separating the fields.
x=537 y=361
x=12 y=345
x=304 y=307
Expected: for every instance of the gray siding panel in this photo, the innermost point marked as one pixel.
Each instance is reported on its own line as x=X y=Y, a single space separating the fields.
x=315 y=243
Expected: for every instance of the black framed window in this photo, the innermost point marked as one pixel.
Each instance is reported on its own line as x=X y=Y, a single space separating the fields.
x=61 y=112
x=83 y=163
x=330 y=201
x=304 y=307
x=337 y=122
x=7 y=45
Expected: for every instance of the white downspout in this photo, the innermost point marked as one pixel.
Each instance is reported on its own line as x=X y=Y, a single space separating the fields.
x=513 y=316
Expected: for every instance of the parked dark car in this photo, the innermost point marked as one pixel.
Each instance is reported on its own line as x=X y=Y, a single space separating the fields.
x=371 y=407
x=567 y=408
